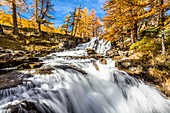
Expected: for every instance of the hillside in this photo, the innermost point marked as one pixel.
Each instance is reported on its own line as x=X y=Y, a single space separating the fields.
x=6 y=20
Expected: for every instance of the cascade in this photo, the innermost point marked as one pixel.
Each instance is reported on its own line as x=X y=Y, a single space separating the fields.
x=81 y=86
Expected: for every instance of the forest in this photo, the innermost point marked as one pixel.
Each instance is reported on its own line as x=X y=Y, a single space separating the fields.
x=88 y=63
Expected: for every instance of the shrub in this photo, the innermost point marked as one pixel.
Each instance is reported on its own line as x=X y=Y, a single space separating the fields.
x=147 y=44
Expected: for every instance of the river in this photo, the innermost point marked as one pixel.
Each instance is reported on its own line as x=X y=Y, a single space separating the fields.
x=81 y=85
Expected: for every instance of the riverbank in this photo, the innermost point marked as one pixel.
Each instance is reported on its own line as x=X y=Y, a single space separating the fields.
x=22 y=51
x=144 y=61
x=148 y=64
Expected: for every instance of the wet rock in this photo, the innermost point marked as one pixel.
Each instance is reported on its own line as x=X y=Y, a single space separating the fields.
x=67 y=67
x=12 y=62
x=44 y=71
x=30 y=65
x=96 y=56
x=11 y=79
x=95 y=65
x=29 y=107
x=103 y=61
x=90 y=51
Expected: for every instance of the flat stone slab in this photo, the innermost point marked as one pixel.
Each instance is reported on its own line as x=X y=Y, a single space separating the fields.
x=12 y=79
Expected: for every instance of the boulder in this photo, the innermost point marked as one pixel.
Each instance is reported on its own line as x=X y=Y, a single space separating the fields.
x=112 y=53
x=103 y=61
x=28 y=107
x=43 y=71
x=134 y=66
x=12 y=79
x=90 y=51
x=30 y=65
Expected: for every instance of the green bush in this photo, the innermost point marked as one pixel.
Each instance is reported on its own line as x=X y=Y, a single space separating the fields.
x=146 y=44
x=167 y=42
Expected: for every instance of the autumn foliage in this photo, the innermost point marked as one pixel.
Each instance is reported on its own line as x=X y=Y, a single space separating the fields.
x=81 y=23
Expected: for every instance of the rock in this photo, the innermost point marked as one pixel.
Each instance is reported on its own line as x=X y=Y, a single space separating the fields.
x=131 y=52
x=112 y=53
x=28 y=107
x=137 y=69
x=67 y=67
x=2 y=50
x=19 y=53
x=30 y=65
x=90 y=51
x=123 y=53
x=103 y=61
x=44 y=71
x=11 y=79
x=132 y=65
x=95 y=65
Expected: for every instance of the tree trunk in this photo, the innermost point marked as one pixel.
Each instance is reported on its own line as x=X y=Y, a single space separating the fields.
x=163 y=42
x=72 y=30
x=1 y=30
x=14 y=16
x=39 y=28
x=162 y=29
x=36 y=17
x=75 y=30
x=132 y=36
x=134 y=31
x=77 y=21
x=93 y=31
x=73 y=23
x=36 y=10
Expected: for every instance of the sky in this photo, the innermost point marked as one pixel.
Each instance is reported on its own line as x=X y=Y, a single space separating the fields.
x=64 y=7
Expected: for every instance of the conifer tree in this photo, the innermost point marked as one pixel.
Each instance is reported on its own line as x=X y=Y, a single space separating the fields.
x=67 y=23
x=16 y=6
x=42 y=10
x=1 y=29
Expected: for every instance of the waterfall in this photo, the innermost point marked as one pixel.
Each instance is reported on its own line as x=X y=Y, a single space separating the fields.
x=78 y=85
x=100 y=46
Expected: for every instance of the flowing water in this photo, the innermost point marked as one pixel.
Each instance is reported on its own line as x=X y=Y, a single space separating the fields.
x=81 y=86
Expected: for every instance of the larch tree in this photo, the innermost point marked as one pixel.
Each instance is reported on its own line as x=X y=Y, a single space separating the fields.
x=124 y=14
x=73 y=20
x=77 y=20
x=42 y=12
x=85 y=22
x=66 y=24
x=93 y=19
x=164 y=6
x=1 y=29
x=16 y=6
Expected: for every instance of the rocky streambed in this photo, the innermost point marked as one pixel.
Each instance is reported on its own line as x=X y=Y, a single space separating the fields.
x=77 y=81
